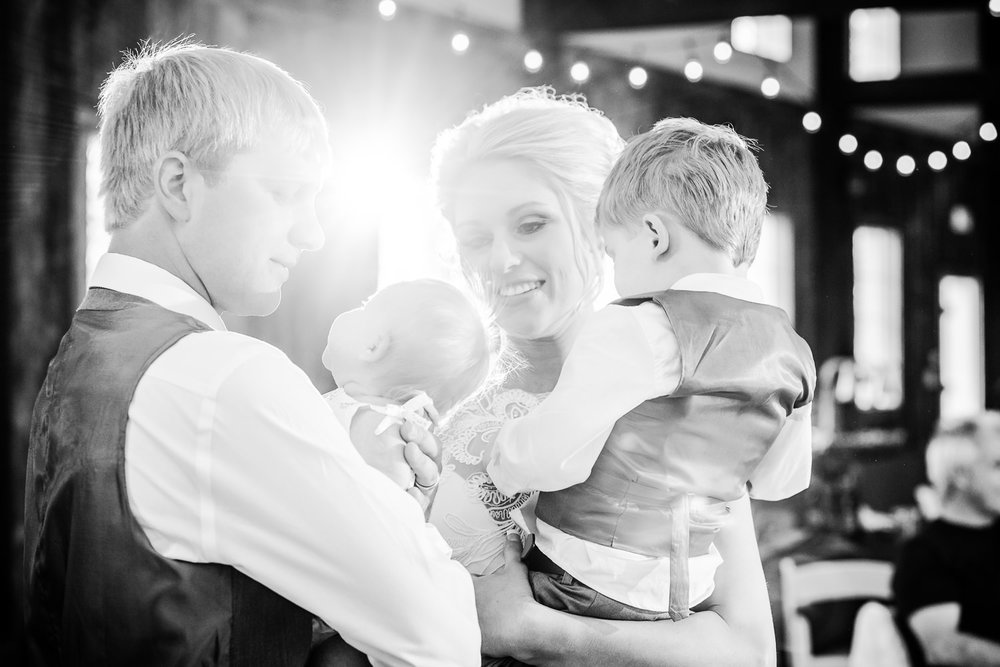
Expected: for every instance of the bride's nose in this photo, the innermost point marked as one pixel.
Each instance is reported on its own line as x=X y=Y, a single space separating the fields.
x=503 y=258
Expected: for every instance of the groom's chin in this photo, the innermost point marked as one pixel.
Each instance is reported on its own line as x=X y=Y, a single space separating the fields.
x=257 y=305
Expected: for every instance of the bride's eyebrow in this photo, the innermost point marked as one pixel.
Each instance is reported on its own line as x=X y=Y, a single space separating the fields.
x=527 y=205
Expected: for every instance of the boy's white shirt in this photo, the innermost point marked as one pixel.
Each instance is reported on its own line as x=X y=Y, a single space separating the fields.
x=631 y=355
x=232 y=456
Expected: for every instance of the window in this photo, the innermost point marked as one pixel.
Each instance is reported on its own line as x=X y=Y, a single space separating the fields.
x=961 y=347
x=774 y=267
x=874 y=46
x=878 y=318
x=765 y=36
x=95 y=236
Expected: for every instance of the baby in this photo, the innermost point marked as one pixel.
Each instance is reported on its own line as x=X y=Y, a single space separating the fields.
x=413 y=351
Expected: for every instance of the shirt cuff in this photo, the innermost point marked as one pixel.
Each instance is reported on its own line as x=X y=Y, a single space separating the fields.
x=343 y=406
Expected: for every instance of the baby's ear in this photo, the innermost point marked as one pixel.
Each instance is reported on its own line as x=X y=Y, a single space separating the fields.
x=376 y=348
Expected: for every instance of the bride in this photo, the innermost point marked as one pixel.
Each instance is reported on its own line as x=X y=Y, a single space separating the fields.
x=519 y=183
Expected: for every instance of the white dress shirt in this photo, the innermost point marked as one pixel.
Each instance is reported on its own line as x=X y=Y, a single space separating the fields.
x=232 y=456
x=623 y=357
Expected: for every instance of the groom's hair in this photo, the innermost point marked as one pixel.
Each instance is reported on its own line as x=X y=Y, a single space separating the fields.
x=206 y=102
x=706 y=175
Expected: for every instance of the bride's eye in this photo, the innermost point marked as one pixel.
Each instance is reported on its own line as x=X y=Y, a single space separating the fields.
x=531 y=224
x=474 y=241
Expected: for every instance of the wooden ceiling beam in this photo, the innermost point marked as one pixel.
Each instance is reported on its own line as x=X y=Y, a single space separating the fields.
x=582 y=15
x=952 y=87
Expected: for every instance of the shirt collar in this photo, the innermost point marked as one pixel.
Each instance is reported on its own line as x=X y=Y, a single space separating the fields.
x=131 y=275
x=721 y=283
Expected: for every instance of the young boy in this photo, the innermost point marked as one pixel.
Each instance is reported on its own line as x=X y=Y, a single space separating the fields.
x=673 y=401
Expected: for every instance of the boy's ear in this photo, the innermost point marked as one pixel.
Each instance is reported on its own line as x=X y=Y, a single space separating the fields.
x=376 y=348
x=173 y=176
x=656 y=233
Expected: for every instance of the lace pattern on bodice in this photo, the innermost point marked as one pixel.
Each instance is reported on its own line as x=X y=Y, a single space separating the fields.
x=467 y=443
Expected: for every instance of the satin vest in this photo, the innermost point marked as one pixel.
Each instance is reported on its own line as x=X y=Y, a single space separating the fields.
x=743 y=371
x=96 y=591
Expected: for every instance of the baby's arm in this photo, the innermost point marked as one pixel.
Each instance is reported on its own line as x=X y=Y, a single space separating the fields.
x=622 y=357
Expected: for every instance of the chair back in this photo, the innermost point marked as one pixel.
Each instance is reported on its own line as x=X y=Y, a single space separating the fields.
x=807 y=584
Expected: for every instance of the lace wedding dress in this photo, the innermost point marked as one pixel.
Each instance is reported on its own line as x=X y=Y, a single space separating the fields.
x=469 y=511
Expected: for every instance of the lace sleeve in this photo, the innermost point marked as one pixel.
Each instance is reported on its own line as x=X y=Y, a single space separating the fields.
x=472 y=515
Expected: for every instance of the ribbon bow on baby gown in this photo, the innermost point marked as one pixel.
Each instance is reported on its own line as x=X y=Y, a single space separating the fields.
x=419 y=410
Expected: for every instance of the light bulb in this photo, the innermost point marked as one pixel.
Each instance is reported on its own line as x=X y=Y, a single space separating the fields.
x=848 y=144
x=460 y=42
x=533 y=61
x=693 y=70
x=812 y=122
x=873 y=160
x=637 y=77
x=770 y=87
x=580 y=71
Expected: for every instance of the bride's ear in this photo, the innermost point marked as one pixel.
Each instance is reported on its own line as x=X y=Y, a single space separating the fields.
x=656 y=234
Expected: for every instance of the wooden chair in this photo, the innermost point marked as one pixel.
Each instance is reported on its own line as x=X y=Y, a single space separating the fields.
x=825 y=581
x=877 y=641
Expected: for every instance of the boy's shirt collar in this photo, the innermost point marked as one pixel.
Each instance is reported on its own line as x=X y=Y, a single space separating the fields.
x=721 y=283
x=131 y=275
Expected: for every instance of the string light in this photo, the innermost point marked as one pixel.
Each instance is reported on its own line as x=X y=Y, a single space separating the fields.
x=905 y=165
x=693 y=70
x=988 y=131
x=770 y=87
x=637 y=77
x=387 y=9
x=848 y=144
x=812 y=122
x=580 y=71
x=722 y=52
x=937 y=160
x=460 y=42
x=533 y=61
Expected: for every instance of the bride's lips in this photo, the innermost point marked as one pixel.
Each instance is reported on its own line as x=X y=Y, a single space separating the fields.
x=517 y=288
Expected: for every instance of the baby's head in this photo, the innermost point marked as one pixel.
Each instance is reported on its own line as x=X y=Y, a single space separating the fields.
x=421 y=335
x=704 y=178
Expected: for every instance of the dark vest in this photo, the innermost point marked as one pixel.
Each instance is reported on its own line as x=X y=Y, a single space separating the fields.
x=97 y=593
x=743 y=370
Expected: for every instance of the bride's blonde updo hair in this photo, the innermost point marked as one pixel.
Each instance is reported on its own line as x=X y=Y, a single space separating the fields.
x=573 y=144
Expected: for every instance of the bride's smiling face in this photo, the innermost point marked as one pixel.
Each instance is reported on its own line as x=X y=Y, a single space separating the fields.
x=514 y=234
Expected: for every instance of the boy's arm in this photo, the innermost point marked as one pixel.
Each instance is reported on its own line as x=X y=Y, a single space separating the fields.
x=622 y=357
x=787 y=466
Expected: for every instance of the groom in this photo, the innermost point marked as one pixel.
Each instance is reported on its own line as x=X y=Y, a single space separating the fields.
x=190 y=498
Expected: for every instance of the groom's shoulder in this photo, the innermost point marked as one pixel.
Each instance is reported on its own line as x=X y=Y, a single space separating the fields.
x=205 y=360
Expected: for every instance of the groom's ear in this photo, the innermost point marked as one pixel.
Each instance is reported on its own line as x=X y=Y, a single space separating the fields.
x=376 y=348
x=174 y=176
x=656 y=234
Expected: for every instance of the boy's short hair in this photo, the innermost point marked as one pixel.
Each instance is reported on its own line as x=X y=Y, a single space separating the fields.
x=955 y=446
x=707 y=175
x=445 y=348
x=208 y=103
